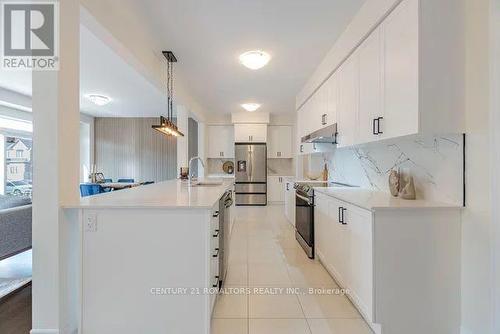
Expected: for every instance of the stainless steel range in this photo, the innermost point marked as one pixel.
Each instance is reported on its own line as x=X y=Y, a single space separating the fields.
x=304 y=213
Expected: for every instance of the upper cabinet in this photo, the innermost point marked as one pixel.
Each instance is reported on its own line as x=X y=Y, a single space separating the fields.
x=369 y=57
x=279 y=142
x=250 y=133
x=401 y=72
x=348 y=102
x=220 y=141
x=405 y=78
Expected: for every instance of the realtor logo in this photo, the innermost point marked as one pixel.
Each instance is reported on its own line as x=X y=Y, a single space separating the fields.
x=30 y=35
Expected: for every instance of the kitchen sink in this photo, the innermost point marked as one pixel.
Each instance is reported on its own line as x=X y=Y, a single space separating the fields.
x=206 y=184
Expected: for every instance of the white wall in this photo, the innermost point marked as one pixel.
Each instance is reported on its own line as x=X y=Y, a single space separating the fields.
x=495 y=154
x=476 y=218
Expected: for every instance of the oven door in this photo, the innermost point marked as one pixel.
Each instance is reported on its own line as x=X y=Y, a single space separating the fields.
x=304 y=223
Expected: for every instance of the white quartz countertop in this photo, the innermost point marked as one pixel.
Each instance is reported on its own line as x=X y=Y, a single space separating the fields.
x=376 y=200
x=221 y=176
x=174 y=194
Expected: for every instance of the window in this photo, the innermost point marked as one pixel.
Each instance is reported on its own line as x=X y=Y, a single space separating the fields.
x=19 y=153
x=13 y=169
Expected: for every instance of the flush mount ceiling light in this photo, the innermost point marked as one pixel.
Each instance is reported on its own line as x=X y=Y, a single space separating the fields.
x=255 y=59
x=99 y=100
x=250 y=106
x=167 y=126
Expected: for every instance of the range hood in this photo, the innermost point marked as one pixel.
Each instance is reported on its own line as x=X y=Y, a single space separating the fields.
x=328 y=134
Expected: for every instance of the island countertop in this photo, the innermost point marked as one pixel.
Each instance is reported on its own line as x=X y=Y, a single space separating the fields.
x=173 y=194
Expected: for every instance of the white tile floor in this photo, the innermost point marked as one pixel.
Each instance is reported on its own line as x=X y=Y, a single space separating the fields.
x=265 y=254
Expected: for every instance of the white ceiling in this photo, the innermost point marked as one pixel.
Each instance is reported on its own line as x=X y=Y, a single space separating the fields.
x=208 y=36
x=103 y=72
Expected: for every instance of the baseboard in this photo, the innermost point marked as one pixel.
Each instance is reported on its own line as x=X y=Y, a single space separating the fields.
x=44 y=331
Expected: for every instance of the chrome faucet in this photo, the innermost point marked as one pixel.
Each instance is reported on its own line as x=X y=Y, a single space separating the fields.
x=190 y=176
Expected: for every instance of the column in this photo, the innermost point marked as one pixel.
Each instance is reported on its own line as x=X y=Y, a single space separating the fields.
x=56 y=119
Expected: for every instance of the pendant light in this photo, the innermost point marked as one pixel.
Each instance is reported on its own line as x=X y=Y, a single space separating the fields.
x=167 y=126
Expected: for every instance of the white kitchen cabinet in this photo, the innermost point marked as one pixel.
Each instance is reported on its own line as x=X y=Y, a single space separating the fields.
x=370 y=88
x=380 y=253
x=401 y=71
x=250 y=133
x=275 y=189
x=332 y=103
x=279 y=143
x=220 y=142
x=405 y=78
x=348 y=102
x=290 y=201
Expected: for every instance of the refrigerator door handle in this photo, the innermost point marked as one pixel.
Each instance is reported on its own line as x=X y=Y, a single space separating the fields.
x=250 y=165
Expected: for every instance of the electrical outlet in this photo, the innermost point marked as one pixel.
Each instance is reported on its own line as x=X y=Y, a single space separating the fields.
x=91 y=223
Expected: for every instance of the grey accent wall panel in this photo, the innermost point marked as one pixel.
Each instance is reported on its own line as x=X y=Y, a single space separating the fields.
x=130 y=148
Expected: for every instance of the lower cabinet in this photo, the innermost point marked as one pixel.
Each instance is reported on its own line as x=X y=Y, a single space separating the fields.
x=344 y=244
x=290 y=202
x=275 y=189
x=399 y=263
x=213 y=276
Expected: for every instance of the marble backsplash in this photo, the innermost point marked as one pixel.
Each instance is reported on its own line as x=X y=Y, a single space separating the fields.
x=214 y=166
x=436 y=164
x=282 y=167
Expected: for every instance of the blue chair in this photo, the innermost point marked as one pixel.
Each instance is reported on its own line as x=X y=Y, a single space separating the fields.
x=126 y=180
x=89 y=189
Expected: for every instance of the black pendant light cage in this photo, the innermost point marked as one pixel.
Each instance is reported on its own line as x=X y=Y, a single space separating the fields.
x=167 y=126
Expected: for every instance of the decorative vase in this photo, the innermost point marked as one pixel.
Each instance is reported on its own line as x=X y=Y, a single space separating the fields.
x=408 y=188
x=394 y=183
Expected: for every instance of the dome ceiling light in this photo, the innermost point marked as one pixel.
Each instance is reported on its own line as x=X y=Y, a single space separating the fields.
x=255 y=60
x=250 y=106
x=99 y=100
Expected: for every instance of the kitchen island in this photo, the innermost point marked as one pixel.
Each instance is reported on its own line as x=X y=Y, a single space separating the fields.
x=147 y=258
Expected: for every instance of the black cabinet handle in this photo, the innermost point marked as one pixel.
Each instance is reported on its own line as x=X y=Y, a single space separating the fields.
x=323 y=119
x=216 y=234
x=287 y=186
x=378 y=125
x=216 y=284
x=216 y=253
x=375 y=120
x=301 y=148
x=341 y=215
x=343 y=218
x=216 y=214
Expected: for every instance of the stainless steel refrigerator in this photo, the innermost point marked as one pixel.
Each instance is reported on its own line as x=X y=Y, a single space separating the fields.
x=251 y=174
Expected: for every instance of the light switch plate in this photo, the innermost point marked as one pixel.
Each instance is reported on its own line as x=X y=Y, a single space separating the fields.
x=90 y=222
